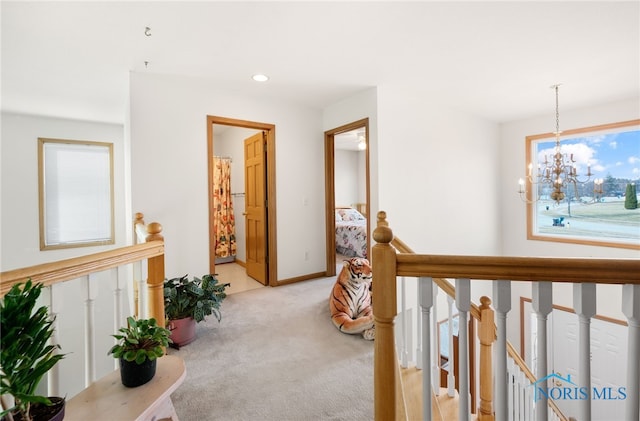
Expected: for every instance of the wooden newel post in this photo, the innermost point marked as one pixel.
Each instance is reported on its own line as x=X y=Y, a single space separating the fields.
x=139 y=219
x=383 y=265
x=486 y=335
x=155 y=279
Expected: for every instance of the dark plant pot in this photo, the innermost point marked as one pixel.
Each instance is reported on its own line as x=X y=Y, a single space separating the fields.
x=183 y=331
x=134 y=375
x=53 y=412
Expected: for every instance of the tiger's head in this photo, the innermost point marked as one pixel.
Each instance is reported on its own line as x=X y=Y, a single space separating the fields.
x=359 y=270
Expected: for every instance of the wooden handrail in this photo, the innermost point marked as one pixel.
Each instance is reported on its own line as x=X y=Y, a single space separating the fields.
x=64 y=270
x=486 y=333
x=443 y=284
x=527 y=372
x=402 y=262
x=550 y=269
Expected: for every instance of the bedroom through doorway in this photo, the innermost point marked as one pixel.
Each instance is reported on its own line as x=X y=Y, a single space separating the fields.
x=347 y=194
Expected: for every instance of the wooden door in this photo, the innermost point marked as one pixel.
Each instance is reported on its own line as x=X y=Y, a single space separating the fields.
x=255 y=206
x=608 y=344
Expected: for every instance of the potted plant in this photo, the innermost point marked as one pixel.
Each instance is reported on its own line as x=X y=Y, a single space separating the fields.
x=140 y=343
x=189 y=301
x=26 y=354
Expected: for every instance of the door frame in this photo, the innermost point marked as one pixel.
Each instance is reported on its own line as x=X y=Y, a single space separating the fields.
x=330 y=189
x=270 y=129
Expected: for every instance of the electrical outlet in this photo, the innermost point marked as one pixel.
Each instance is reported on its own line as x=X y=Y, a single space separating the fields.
x=306 y=255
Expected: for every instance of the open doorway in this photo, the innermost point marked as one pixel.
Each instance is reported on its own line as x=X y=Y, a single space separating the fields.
x=250 y=148
x=347 y=192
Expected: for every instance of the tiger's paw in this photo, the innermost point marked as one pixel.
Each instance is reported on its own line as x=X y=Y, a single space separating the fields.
x=369 y=334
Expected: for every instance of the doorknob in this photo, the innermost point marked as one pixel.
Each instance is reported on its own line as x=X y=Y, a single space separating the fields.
x=244 y=213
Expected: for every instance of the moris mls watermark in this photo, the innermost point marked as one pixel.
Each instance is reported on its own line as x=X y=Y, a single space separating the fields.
x=571 y=391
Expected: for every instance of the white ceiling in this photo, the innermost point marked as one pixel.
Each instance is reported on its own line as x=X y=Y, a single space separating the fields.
x=493 y=59
x=350 y=141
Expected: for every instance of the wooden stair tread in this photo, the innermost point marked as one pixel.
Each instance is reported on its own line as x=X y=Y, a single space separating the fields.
x=444 y=408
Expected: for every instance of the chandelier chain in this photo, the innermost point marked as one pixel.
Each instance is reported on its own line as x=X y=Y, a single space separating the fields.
x=557 y=112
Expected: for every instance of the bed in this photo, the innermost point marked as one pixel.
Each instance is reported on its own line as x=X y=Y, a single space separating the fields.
x=351 y=232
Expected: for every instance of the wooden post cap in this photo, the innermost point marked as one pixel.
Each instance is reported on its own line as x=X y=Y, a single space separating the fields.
x=382 y=233
x=154 y=229
x=485 y=302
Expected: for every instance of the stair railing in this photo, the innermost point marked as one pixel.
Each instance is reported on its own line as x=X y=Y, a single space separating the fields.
x=88 y=274
x=485 y=341
x=388 y=264
x=142 y=234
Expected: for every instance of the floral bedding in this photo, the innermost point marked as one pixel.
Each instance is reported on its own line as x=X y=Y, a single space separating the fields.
x=351 y=233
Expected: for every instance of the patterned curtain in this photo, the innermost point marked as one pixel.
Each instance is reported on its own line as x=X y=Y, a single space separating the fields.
x=224 y=221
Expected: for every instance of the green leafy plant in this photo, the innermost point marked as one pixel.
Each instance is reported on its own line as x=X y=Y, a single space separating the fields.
x=141 y=340
x=195 y=298
x=26 y=353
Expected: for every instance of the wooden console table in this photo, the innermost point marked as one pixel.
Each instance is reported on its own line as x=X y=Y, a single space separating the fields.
x=109 y=399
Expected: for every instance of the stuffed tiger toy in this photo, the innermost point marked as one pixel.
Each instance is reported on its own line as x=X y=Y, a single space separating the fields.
x=350 y=300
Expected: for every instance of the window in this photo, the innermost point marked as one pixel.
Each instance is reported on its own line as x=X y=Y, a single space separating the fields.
x=76 y=193
x=591 y=213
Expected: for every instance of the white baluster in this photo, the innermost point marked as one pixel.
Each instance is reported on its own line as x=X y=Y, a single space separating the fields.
x=451 y=379
x=435 y=351
x=463 y=299
x=419 y=330
x=425 y=295
x=522 y=405
x=90 y=292
x=133 y=288
x=542 y=305
x=584 y=303
x=502 y=305
x=510 y=386
x=528 y=399
x=117 y=285
x=142 y=297
x=631 y=309
x=404 y=355
x=55 y=305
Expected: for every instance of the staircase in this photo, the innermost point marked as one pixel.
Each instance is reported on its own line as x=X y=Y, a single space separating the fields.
x=506 y=387
x=445 y=408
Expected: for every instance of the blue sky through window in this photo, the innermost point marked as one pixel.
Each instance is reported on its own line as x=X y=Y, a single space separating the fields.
x=617 y=154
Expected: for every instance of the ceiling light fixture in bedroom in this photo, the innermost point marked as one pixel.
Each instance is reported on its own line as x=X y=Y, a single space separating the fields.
x=558 y=170
x=362 y=143
x=260 y=77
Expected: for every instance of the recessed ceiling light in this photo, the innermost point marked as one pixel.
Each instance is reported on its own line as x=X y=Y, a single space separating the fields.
x=260 y=78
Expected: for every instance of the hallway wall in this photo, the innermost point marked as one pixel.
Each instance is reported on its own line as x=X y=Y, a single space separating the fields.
x=169 y=183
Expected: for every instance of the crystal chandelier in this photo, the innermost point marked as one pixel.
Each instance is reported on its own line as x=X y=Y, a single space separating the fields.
x=558 y=171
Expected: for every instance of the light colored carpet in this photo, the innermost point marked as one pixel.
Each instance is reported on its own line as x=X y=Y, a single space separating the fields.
x=276 y=356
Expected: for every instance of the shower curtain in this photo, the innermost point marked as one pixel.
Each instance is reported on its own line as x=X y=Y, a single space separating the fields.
x=224 y=221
